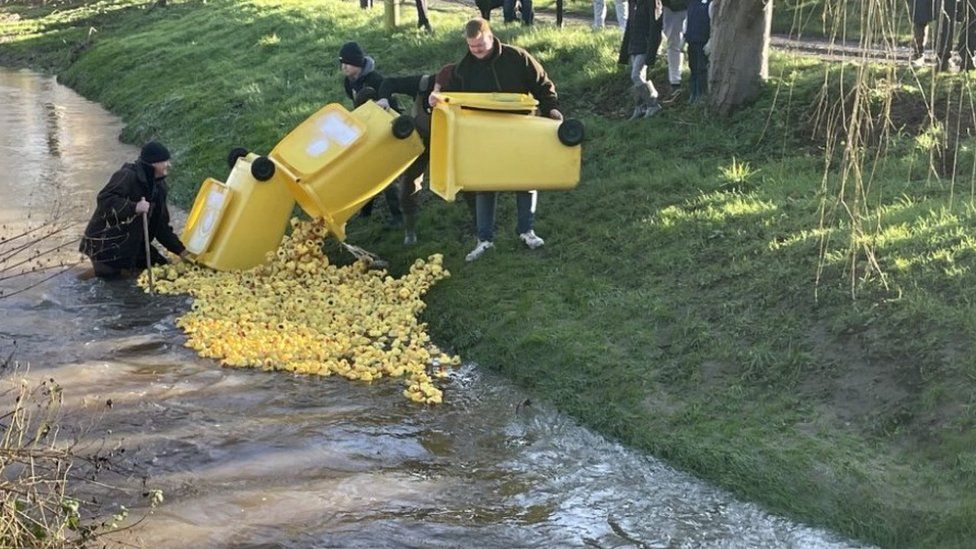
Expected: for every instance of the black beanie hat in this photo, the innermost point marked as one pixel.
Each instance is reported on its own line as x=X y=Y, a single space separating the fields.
x=153 y=152
x=351 y=54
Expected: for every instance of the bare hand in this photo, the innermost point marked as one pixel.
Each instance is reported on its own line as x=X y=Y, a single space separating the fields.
x=384 y=103
x=555 y=114
x=142 y=206
x=434 y=98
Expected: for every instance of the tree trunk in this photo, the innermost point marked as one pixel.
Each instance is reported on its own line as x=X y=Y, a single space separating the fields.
x=739 y=63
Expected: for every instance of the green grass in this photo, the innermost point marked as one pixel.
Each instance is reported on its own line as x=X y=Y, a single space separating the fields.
x=674 y=306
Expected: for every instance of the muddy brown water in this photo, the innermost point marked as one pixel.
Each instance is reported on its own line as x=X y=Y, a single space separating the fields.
x=257 y=459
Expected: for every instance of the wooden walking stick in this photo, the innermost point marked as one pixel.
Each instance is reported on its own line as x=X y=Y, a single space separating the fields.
x=145 y=235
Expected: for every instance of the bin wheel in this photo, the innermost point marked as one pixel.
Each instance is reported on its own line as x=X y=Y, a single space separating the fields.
x=571 y=132
x=403 y=126
x=234 y=154
x=262 y=168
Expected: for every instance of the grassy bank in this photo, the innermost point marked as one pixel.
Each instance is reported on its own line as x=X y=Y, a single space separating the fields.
x=674 y=306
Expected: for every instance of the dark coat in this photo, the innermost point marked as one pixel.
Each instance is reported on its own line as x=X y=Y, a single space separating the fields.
x=698 y=25
x=368 y=78
x=114 y=235
x=509 y=69
x=419 y=88
x=675 y=5
x=643 y=32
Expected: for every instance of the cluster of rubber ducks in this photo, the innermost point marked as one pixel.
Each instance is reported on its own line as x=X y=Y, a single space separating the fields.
x=300 y=314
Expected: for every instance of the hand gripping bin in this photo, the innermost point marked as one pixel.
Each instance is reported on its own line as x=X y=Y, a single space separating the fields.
x=233 y=225
x=335 y=161
x=491 y=142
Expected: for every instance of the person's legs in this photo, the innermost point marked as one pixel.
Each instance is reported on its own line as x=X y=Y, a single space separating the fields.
x=599 y=13
x=104 y=270
x=422 y=20
x=485 y=206
x=698 y=67
x=674 y=23
x=525 y=204
x=645 y=95
x=638 y=70
x=945 y=27
x=485 y=7
x=525 y=8
x=621 y=13
x=918 y=39
x=967 y=36
x=391 y=193
x=410 y=183
x=367 y=209
x=508 y=10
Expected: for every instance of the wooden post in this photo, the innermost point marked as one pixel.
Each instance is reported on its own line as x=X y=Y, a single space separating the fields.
x=392 y=13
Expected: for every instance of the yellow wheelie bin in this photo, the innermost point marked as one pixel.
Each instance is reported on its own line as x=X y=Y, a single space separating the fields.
x=336 y=160
x=233 y=225
x=492 y=142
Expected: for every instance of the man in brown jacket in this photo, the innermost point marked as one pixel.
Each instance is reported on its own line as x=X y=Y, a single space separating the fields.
x=491 y=66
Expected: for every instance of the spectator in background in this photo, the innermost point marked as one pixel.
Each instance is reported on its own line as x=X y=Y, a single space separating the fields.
x=697 y=33
x=600 y=13
x=641 y=41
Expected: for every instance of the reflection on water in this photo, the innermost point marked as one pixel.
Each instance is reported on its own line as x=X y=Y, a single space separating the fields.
x=253 y=458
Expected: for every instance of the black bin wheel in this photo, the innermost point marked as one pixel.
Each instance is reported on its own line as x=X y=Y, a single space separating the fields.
x=262 y=168
x=571 y=132
x=234 y=154
x=403 y=126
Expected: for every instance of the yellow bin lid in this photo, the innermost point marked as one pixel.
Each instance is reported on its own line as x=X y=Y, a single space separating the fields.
x=490 y=101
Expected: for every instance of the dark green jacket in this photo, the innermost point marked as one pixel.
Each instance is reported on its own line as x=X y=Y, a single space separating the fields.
x=508 y=69
x=115 y=235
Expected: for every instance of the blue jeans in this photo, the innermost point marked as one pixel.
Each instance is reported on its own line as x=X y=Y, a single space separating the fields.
x=525 y=202
x=525 y=7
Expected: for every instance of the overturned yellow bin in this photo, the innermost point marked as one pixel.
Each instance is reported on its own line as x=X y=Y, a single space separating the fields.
x=492 y=142
x=233 y=225
x=336 y=160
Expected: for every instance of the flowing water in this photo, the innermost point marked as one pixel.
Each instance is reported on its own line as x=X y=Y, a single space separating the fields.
x=257 y=459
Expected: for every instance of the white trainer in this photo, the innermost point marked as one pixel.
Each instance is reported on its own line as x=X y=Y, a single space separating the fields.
x=481 y=248
x=531 y=240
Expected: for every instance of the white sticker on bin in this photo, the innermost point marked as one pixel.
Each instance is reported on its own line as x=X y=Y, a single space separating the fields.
x=317 y=147
x=203 y=229
x=334 y=127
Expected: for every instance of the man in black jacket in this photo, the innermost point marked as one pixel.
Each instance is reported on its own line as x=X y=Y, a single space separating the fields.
x=114 y=238
x=361 y=83
x=491 y=66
